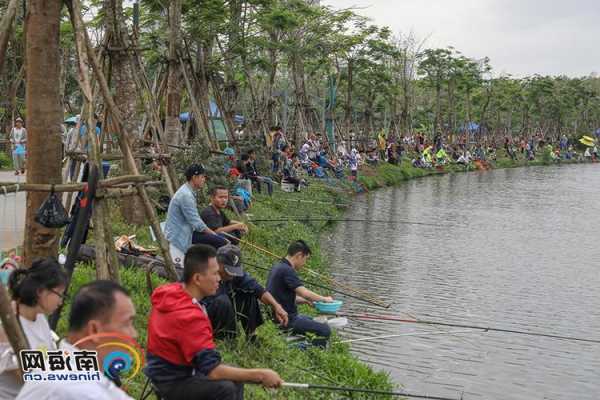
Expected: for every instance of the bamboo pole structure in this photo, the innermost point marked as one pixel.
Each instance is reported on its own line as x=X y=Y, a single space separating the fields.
x=206 y=139
x=152 y=108
x=12 y=187
x=106 y=259
x=11 y=326
x=124 y=139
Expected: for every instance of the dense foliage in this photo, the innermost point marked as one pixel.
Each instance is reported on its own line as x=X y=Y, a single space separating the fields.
x=296 y=64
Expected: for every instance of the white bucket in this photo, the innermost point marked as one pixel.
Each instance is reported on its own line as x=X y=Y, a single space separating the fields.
x=287 y=187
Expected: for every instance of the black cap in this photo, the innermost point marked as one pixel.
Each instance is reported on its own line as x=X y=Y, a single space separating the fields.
x=193 y=170
x=230 y=257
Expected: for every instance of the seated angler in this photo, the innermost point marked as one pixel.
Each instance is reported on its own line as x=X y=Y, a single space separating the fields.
x=287 y=288
x=215 y=218
x=182 y=360
x=183 y=219
x=290 y=170
x=237 y=298
x=252 y=172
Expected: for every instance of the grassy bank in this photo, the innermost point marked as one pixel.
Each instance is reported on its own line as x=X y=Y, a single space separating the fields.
x=336 y=365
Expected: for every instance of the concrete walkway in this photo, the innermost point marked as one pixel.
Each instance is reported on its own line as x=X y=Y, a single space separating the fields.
x=12 y=213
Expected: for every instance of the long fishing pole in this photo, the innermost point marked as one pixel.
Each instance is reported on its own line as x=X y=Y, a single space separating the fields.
x=308 y=386
x=320 y=286
x=314 y=273
x=482 y=328
x=314 y=202
x=367 y=339
x=327 y=219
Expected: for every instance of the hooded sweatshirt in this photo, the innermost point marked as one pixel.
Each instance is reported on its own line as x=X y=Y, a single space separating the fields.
x=180 y=337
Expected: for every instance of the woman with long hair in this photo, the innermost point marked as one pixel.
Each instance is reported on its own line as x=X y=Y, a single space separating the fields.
x=36 y=293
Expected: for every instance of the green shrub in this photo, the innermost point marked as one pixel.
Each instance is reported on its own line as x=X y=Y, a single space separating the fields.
x=5 y=161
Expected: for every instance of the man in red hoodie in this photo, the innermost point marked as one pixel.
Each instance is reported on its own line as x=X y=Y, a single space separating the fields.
x=182 y=360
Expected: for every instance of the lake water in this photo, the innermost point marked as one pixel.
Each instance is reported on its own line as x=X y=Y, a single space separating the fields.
x=518 y=249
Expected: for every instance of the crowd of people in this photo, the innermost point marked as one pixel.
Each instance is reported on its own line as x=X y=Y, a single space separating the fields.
x=215 y=295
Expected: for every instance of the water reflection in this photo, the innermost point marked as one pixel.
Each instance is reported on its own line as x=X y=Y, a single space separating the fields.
x=519 y=252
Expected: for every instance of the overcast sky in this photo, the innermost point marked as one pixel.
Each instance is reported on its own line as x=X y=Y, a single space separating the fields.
x=522 y=37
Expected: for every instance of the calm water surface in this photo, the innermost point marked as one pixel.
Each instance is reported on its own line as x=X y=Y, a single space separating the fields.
x=520 y=251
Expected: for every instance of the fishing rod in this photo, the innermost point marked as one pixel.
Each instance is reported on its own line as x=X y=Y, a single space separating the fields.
x=327 y=219
x=366 y=339
x=314 y=273
x=321 y=286
x=482 y=328
x=309 y=386
x=314 y=202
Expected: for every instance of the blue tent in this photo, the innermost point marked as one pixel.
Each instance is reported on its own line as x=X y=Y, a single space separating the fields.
x=215 y=113
x=470 y=127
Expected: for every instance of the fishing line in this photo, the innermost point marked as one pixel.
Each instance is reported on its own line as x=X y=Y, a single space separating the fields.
x=482 y=328
x=318 y=285
x=308 y=386
x=366 y=339
x=315 y=273
x=327 y=219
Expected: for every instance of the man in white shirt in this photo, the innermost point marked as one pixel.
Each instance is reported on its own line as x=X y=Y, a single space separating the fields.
x=98 y=307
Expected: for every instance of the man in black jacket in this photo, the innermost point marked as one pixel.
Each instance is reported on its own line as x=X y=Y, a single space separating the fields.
x=237 y=298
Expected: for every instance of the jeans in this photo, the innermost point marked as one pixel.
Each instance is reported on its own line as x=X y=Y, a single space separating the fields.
x=301 y=325
x=215 y=241
x=200 y=387
x=267 y=181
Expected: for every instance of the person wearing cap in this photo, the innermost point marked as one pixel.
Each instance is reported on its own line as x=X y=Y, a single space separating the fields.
x=237 y=298
x=182 y=359
x=286 y=286
x=183 y=218
x=18 y=140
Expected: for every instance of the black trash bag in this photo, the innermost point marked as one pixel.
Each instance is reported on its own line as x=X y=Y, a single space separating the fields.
x=51 y=213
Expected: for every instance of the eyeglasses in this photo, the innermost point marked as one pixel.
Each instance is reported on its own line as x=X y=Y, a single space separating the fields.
x=63 y=296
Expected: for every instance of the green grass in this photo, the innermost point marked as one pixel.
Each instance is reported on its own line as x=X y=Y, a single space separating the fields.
x=336 y=366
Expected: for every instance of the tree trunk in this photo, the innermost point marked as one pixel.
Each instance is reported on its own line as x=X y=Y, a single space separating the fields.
x=438 y=108
x=172 y=123
x=6 y=24
x=125 y=94
x=44 y=146
x=348 y=114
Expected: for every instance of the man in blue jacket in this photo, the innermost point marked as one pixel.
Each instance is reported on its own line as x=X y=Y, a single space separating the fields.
x=237 y=298
x=183 y=218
